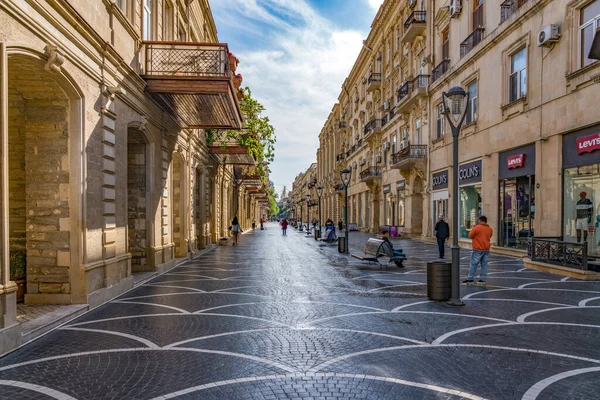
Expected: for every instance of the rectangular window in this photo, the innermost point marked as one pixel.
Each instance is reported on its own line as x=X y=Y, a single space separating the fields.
x=440 y=121
x=518 y=75
x=417 y=137
x=168 y=22
x=472 y=106
x=470 y=209
x=389 y=53
x=446 y=44
x=589 y=22
x=147 y=20
x=394 y=139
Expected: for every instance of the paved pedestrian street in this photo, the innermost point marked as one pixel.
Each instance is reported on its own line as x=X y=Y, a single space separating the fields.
x=285 y=317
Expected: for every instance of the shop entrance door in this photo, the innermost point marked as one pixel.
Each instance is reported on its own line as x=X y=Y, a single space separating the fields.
x=517 y=206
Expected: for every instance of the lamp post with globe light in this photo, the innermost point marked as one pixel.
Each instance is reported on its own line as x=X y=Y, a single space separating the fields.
x=346 y=174
x=455 y=107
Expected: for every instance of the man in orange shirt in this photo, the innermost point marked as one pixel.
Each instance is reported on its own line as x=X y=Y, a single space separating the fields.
x=481 y=235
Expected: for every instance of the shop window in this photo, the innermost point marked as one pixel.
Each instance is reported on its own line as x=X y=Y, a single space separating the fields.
x=472 y=106
x=147 y=20
x=470 y=209
x=440 y=207
x=517 y=205
x=589 y=21
x=518 y=75
x=581 y=206
x=440 y=121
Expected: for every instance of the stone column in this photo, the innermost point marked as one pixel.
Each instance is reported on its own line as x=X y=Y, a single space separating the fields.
x=10 y=330
x=375 y=208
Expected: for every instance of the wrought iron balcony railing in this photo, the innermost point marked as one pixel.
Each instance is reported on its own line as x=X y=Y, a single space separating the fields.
x=370 y=172
x=440 y=70
x=371 y=126
x=471 y=41
x=374 y=78
x=384 y=120
x=420 y=82
x=509 y=7
x=416 y=17
x=409 y=152
x=184 y=59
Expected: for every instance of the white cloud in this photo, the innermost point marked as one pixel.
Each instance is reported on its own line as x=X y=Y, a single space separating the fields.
x=298 y=74
x=375 y=3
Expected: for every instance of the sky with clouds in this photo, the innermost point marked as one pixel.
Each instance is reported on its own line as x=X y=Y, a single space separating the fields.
x=295 y=55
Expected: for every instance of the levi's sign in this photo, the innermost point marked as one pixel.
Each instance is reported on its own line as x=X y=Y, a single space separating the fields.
x=587 y=144
x=516 y=161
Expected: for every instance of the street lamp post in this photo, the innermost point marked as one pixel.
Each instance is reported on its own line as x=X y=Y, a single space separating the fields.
x=319 y=193
x=455 y=108
x=301 y=229
x=346 y=175
x=308 y=214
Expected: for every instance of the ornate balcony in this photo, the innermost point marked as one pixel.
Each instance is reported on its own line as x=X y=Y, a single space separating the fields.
x=509 y=7
x=373 y=126
x=414 y=26
x=342 y=126
x=410 y=156
x=471 y=41
x=193 y=83
x=440 y=70
x=340 y=157
x=410 y=92
x=370 y=174
x=374 y=82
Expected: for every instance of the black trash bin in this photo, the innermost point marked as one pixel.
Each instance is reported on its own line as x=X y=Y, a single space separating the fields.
x=341 y=244
x=439 y=280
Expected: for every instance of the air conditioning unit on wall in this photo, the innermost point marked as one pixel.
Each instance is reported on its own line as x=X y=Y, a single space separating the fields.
x=455 y=8
x=550 y=34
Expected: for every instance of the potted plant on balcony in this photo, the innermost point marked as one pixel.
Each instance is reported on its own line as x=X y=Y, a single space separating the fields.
x=18 y=269
x=237 y=81
x=240 y=94
x=233 y=62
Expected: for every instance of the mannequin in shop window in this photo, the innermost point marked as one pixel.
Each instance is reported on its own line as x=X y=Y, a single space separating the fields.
x=584 y=209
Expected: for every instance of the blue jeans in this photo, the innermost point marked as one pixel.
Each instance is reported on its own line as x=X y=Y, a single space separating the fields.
x=476 y=258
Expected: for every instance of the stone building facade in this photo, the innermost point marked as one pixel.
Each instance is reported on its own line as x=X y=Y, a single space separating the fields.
x=527 y=148
x=304 y=184
x=101 y=177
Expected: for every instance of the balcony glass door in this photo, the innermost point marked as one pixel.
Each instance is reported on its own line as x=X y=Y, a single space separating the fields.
x=478 y=14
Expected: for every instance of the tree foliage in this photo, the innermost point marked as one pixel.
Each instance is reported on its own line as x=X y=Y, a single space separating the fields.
x=258 y=136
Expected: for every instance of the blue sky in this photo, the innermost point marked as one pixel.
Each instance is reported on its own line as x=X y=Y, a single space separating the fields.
x=294 y=57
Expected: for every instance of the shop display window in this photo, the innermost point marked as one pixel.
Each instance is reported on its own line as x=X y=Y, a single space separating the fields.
x=440 y=207
x=581 y=206
x=470 y=208
x=517 y=205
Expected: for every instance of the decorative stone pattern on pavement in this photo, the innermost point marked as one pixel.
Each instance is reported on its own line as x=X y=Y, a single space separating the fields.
x=288 y=318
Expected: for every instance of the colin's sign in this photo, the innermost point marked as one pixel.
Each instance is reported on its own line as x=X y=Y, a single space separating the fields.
x=587 y=144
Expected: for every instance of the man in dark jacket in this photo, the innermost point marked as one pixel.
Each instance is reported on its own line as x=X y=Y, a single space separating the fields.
x=442 y=232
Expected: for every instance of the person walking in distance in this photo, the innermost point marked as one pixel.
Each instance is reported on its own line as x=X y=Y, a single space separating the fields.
x=284 y=225
x=481 y=234
x=340 y=225
x=442 y=232
x=235 y=230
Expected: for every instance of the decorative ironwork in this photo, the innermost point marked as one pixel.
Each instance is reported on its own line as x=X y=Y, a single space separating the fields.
x=440 y=70
x=471 y=41
x=558 y=252
x=413 y=151
x=416 y=17
x=186 y=59
x=384 y=120
x=420 y=82
x=509 y=7
x=370 y=172
x=374 y=78
x=372 y=125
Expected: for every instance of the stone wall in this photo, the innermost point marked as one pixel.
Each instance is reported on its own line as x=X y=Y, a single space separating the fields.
x=136 y=200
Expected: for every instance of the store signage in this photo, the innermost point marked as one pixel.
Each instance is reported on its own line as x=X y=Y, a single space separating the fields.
x=387 y=188
x=439 y=180
x=400 y=185
x=587 y=144
x=516 y=161
x=469 y=173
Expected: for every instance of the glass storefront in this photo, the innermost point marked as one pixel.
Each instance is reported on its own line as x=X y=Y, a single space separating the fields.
x=440 y=207
x=581 y=206
x=400 y=189
x=439 y=197
x=517 y=205
x=470 y=208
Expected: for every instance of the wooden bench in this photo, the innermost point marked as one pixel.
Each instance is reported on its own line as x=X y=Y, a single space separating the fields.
x=380 y=252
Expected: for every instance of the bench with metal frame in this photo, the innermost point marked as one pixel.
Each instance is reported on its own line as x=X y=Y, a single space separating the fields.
x=380 y=252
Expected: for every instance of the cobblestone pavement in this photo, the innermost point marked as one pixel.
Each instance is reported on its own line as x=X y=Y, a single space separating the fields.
x=286 y=317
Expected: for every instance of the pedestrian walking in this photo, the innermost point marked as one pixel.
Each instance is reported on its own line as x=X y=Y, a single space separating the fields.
x=235 y=230
x=340 y=225
x=481 y=234
x=284 y=225
x=253 y=224
x=442 y=232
